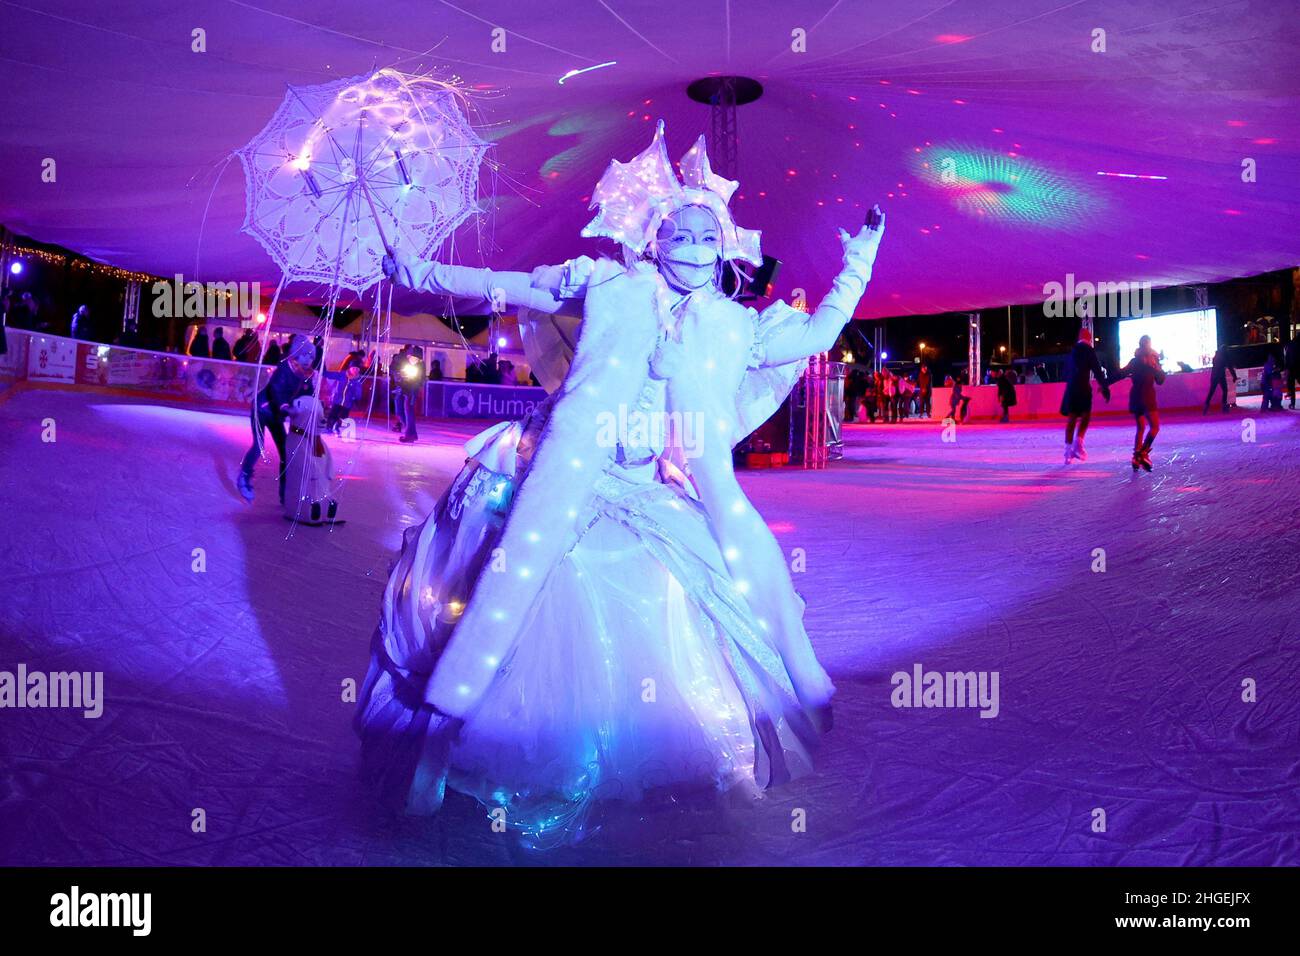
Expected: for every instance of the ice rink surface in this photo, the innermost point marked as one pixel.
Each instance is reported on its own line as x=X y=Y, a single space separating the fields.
x=1120 y=691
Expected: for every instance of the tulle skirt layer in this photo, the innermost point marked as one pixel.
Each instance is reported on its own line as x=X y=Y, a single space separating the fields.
x=640 y=668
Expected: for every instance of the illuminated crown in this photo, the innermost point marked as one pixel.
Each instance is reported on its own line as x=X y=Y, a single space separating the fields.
x=636 y=197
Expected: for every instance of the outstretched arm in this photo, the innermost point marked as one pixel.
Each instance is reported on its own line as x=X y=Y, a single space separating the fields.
x=794 y=341
x=498 y=288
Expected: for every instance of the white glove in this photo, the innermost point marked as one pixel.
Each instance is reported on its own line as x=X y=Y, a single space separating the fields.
x=860 y=250
x=859 y=258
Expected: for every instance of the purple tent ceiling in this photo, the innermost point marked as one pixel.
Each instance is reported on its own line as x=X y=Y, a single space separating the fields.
x=983 y=127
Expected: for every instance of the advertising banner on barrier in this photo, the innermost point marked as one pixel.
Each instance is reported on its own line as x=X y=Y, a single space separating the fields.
x=130 y=369
x=51 y=359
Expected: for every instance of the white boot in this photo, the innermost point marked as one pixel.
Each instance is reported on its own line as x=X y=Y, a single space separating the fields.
x=1079 y=451
x=1069 y=452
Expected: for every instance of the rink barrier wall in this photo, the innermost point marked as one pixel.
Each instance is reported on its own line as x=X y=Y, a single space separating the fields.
x=1181 y=390
x=43 y=360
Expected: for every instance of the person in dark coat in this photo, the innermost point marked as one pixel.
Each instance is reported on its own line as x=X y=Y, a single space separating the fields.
x=273 y=355
x=81 y=323
x=1219 y=372
x=1007 y=393
x=1081 y=367
x=412 y=376
x=246 y=348
x=1270 y=379
x=220 y=347
x=1292 y=366
x=959 y=398
x=1144 y=371
x=199 y=344
x=291 y=379
x=395 y=386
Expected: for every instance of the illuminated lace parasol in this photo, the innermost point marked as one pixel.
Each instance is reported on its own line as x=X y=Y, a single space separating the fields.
x=345 y=168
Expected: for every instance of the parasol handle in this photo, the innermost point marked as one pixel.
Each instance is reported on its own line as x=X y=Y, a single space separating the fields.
x=374 y=212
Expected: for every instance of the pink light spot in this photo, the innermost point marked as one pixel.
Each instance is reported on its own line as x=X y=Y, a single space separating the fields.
x=952 y=38
x=960 y=102
x=1232 y=212
x=1264 y=141
x=1236 y=122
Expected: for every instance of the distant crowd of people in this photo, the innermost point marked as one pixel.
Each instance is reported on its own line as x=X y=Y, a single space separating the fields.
x=886 y=396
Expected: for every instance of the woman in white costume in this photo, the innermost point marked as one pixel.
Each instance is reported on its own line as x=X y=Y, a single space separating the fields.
x=594 y=611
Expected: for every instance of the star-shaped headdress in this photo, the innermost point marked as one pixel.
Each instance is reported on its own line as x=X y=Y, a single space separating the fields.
x=636 y=197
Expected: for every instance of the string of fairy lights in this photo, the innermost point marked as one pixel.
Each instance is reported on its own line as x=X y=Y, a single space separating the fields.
x=18 y=252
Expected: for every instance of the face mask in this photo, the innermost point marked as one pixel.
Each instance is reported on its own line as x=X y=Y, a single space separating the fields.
x=691 y=266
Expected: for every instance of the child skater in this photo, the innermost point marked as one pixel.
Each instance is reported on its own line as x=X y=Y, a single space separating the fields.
x=1076 y=404
x=1145 y=372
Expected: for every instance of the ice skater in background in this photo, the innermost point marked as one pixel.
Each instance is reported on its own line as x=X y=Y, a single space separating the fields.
x=1145 y=373
x=1219 y=372
x=346 y=393
x=411 y=376
x=291 y=379
x=957 y=398
x=1081 y=367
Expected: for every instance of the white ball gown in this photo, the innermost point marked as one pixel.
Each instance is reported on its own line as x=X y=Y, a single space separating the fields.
x=570 y=630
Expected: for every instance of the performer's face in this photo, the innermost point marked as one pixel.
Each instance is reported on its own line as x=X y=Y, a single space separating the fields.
x=689 y=246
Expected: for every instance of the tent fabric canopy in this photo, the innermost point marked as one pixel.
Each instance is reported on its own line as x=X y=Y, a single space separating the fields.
x=1012 y=142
